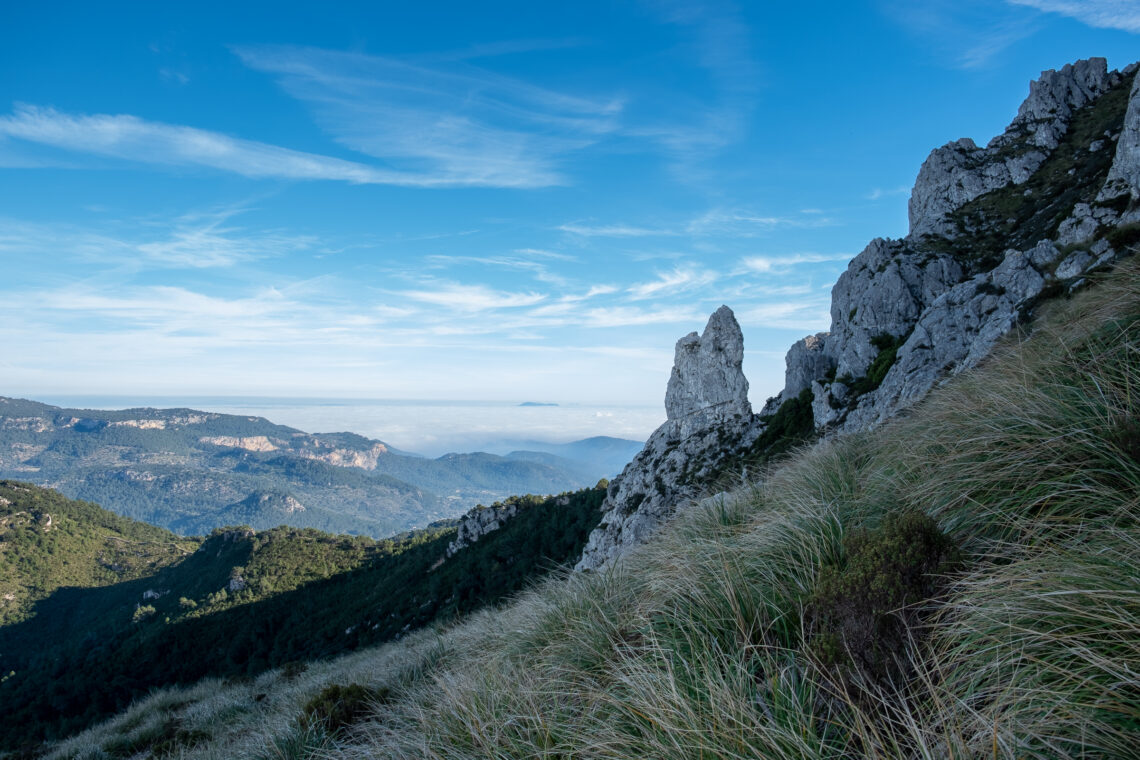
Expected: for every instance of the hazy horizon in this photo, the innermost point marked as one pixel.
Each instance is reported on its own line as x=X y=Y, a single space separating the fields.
x=430 y=427
x=452 y=200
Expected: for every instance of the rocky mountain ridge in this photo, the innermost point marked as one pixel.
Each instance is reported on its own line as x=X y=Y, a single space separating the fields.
x=993 y=232
x=192 y=471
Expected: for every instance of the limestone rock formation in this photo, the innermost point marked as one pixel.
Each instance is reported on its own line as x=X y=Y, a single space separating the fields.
x=707 y=384
x=1124 y=175
x=960 y=171
x=478 y=522
x=807 y=360
x=708 y=419
x=908 y=313
x=994 y=231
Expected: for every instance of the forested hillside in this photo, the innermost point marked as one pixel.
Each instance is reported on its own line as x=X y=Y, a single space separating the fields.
x=240 y=601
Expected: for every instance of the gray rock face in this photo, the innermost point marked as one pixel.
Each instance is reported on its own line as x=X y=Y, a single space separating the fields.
x=906 y=314
x=1124 y=174
x=479 y=522
x=884 y=290
x=960 y=171
x=953 y=334
x=708 y=420
x=1056 y=95
x=807 y=360
x=951 y=321
x=1085 y=221
x=707 y=383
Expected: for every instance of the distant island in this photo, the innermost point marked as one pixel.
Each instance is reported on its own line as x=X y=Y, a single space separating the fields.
x=536 y=403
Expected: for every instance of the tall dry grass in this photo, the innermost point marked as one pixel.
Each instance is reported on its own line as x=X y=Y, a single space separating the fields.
x=697 y=646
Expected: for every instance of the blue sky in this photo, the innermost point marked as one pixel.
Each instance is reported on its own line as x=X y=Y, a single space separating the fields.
x=501 y=201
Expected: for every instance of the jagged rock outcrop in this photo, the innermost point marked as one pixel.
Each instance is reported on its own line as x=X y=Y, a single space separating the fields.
x=807 y=360
x=708 y=419
x=479 y=522
x=993 y=231
x=883 y=291
x=960 y=171
x=908 y=313
x=1124 y=175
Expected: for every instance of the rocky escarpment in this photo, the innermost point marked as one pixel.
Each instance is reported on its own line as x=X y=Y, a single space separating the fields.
x=960 y=171
x=708 y=421
x=478 y=522
x=993 y=232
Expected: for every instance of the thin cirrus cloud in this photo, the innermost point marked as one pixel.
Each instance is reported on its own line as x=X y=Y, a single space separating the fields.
x=965 y=34
x=718 y=223
x=800 y=314
x=167 y=307
x=1103 y=14
x=128 y=137
x=445 y=119
x=190 y=241
x=770 y=264
x=471 y=299
x=671 y=283
x=879 y=193
x=614 y=230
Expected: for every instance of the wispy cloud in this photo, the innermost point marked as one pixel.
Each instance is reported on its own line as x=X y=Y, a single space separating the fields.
x=714 y=223
x=470 y=299
x=447 y=120
x=965 y=34
x=614 y=230
x=198 y=240
x=173 y=75
x=807 y=315
x=629 y=316
x=534 y=262
x=138 y=140
x=767 y=264
x=878 y=192
x=718 y=41
x=671 y=283
x=148 y=304
x=1102 y=14
x=745 y=224
x=204 y=240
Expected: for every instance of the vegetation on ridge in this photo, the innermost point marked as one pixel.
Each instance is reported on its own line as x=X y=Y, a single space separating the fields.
x=701 y=643
x=1020 y=216
x=245 y=602
x=190 y=471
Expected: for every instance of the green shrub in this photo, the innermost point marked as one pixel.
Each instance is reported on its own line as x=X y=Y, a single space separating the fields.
x=888 y=346
x=337 y=706
x=1124 y=236
x=291 y=670
x=862 y=612
x=142 y=612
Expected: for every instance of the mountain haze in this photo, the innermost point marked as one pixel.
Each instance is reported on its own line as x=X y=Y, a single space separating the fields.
x=192 y=471
x=924 y=546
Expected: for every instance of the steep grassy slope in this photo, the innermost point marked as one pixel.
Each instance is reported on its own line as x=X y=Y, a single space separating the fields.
x=961 y=583
x=244 y=602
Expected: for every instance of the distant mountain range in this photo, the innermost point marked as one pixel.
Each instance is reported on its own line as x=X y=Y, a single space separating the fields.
x=191 y=471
